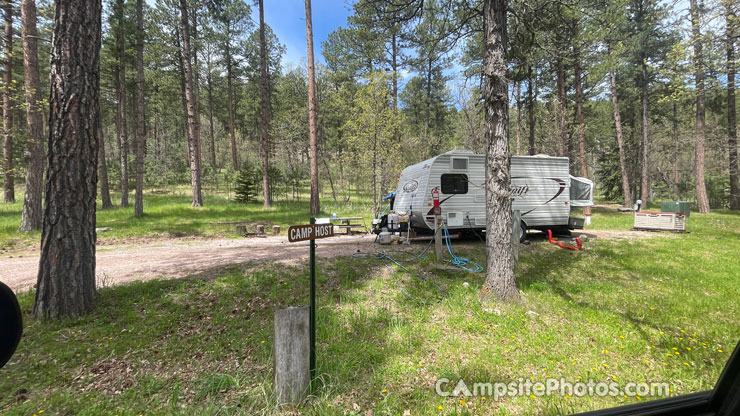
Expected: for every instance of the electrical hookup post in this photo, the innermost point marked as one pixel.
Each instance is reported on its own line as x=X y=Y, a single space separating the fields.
x=311 y=232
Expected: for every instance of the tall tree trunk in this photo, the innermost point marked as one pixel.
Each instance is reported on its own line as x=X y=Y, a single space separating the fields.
x=620 y=140
x=676 y=151
x=701 y=190
x=500 y=280
x=562 y=109
x=157 y=144
x=265 y=122
x=530 y=109
x=123 y=137
x=645 y=167
x=210 y=117
x=103 y=171
x=518 y=117
x=375 y=171
x=230 y=93
x=66 y=279
x=192 y=133
x=196 y=90
x=731 y=110
x=7 y=106
x=32 y=213
x=314 y=164
x=580 y=119
x=331 y=181
x=140 y=122
x=427 y=105
x=394 y=69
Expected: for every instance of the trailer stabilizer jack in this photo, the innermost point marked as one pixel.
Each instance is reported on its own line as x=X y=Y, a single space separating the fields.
x=561 y=245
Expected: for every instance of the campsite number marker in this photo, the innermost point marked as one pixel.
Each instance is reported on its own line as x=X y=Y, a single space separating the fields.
x=311 y=232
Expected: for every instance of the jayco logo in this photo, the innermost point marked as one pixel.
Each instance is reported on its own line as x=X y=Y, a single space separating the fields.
x=519 y=190
x=410 y=186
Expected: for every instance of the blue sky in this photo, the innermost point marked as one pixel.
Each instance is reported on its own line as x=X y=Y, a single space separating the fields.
x=287 y=18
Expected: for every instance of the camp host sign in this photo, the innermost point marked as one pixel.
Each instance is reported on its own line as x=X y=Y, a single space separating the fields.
x=311 y=232
x=298 y=233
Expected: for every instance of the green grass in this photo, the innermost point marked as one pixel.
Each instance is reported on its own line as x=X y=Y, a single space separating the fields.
x=663 y=309
x=171 y=215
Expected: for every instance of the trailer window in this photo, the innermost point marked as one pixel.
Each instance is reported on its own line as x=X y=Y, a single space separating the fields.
x=459 y=163
x=454 y=183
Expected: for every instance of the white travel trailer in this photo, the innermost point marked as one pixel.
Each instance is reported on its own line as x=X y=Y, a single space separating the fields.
x=542 y=189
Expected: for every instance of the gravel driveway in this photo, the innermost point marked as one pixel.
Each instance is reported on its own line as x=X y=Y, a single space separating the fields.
x=116 y=264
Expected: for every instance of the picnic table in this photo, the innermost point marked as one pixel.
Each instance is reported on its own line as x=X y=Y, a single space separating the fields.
x=350 y=223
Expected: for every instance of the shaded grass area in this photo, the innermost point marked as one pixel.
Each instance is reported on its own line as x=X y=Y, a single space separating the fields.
x=171 y=215
x=656 y=310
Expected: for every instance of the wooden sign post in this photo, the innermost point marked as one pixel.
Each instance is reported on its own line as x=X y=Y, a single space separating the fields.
x=311 y=232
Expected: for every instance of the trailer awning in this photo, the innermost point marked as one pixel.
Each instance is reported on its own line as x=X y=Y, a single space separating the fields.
x=581 y=192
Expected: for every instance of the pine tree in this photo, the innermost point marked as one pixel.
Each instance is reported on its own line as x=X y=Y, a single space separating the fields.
x=246 y=185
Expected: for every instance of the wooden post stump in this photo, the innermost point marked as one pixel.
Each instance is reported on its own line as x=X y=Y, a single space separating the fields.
x=276 y=229
x=241 y=229
x=292 y=355
x=260 y=229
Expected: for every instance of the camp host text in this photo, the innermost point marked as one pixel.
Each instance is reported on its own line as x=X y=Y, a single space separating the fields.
x=551 y=386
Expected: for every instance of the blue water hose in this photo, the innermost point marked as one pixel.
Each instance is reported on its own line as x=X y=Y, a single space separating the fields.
x=461 y=262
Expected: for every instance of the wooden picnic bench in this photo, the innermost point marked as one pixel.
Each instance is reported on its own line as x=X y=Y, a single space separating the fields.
x=350 y=224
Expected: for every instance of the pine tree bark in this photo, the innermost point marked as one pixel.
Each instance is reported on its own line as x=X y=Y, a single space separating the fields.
x=702 y=200
x=427 y=104
x=66 y=279
x=314 y=165
x=32 y=213
x=230 y=93
x=580 y=119
x=530 y=109
x=620 y=140
x=103 y=171
x=123 y=130
x=7 y=105
x=518 y=117
x=209 y=79
x=500 y=282
x=265 y=113
x=191 y=128
x=645 y=167
x=140 y=121
x=731 y=22
x=562 y=108
x=394 y=69
x=676 y=151
x=196 y=90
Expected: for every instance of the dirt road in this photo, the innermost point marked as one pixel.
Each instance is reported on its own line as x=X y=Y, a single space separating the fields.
x=173 y=258
x=116 y=264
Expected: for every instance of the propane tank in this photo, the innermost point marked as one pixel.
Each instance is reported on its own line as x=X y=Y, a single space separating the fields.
x=385 y=238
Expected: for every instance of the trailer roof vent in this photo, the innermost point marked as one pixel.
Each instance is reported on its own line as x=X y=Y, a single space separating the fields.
x=459 y=163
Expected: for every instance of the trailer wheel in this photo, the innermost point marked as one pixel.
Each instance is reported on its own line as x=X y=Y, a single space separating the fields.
x=522 y=231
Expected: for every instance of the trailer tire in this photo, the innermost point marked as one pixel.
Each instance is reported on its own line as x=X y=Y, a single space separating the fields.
x=522 y=232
